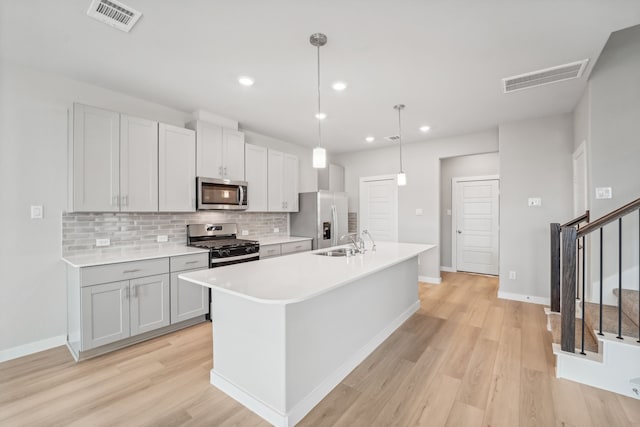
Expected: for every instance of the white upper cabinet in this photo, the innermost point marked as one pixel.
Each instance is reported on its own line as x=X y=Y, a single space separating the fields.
x=233 y=154
x=177 y=169
x=96 y=160
x=290 y=183
x=282 y=182
x=220 y=151
x=138 y=164
x=257 y=177
x=275 y=167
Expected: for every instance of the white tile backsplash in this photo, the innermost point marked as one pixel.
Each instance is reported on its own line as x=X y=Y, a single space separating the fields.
x=139 y=231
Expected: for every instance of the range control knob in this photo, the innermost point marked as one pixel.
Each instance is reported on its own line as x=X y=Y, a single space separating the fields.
x=225 y=252
x=250 y=250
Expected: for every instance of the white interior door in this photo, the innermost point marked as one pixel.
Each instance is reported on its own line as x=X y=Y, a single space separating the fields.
x=476 y=204
x=379 y=207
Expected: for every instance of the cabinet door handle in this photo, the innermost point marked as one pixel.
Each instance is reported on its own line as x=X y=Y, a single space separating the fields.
x=114 y=200
x=225 y=171
x=220 y=170
x=191 y=262
x=135 y=291
x=135 y=270
x=126 y=294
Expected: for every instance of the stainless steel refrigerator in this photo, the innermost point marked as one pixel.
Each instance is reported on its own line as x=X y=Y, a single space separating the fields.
x=322 y=215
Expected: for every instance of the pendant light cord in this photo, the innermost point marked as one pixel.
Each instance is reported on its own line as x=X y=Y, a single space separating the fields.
x=317 y=117
x=400 y=138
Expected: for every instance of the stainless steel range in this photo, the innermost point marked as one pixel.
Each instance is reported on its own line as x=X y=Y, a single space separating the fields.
x=224 y=247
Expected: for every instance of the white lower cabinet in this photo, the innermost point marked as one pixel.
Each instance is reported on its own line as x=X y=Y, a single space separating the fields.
x=116 y=302
x=187 y=299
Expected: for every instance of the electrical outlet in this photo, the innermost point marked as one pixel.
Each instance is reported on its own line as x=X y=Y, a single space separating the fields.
x=103 y=242
x=603 y=193
x=163 y=238
x=535 y=202
x=245 y=232
x=36 y=212
x=512 y=275
x=276 y=230
x=419 y=211
x=449 y=212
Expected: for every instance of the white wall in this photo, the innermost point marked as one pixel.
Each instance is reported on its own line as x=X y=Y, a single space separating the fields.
x=457 y=167
x=535 y=161
x=422 y=166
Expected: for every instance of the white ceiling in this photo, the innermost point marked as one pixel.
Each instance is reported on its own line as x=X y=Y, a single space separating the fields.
x=443 y=59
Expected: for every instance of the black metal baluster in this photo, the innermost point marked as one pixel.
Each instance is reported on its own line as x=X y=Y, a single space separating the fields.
x=583 y=284
x=619 y=279
x=601 y=237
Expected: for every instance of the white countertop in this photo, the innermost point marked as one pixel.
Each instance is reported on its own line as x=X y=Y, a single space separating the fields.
x=90 y=260
x=276 y=240
x=297 y=277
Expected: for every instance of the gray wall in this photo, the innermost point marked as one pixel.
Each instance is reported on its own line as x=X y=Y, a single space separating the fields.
x=457 y=167
x=422 y=166
x=613 y=125
x=535 y=161
x=581 y=120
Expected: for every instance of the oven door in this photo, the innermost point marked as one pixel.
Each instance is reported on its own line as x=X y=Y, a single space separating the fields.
x=213 y=193
x=221 y=262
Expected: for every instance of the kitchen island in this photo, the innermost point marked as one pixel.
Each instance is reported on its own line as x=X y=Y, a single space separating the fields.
x=287 y=330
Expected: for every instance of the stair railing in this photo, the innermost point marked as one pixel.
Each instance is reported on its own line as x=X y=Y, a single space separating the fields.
x=570 y=237
x=555 y=257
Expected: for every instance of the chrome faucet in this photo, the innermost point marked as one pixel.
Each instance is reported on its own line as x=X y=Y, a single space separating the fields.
x=373 y=248
x=352 y=236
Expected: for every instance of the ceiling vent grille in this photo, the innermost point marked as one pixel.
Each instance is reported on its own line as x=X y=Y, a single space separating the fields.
x=560 y=73
x=392 y=138
x=114 y=13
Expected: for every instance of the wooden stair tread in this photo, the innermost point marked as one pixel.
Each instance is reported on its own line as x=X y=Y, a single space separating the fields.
x=590 y=342
x=630 y=306
x=609 y=320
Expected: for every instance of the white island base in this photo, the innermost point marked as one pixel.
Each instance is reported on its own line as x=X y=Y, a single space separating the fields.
x=281 y=357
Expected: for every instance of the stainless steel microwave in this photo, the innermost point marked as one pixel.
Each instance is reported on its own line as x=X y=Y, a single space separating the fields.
x=214 y=193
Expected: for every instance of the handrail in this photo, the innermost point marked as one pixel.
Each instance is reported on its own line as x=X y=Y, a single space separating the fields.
x=582 y=218
x=610 y=217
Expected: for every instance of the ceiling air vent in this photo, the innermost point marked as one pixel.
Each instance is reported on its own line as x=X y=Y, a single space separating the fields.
x=114 y=13
x=570 y=71
x=392 y=138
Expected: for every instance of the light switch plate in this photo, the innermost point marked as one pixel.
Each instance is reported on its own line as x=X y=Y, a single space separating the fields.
x=103 y=242
x=449 y=212
x=512 y=275
x=419 y=212
x=604 y=193
x=535 y=202
x=245 y=232
x=163 y=238
x=276 y=230
x=36 y=212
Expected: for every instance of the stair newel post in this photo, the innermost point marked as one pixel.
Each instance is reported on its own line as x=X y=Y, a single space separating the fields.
x=555 y=267
x=584 y=270
x=619 y=279
x=569 y=273
x=639 y=274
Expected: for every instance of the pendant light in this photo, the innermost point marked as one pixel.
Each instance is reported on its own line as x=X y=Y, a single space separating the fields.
x=402 y=177
x=319 y=153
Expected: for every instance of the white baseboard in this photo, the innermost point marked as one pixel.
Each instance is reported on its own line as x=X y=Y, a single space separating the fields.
x=427 y=279
x=32 y=347
x=448 y=269
x=524 y=298
x=299 y=411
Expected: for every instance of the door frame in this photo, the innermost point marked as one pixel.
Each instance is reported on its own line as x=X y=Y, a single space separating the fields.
x=364 y=179
x=454 y=213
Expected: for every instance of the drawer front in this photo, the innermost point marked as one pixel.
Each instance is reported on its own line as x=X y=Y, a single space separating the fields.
x=189 y=262
x=123 y=271
x=289 y=248
x=268 y=251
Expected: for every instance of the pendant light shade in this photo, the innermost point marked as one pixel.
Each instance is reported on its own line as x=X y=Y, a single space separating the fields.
x=319 y=157
x=319 y=153
x=402 y=177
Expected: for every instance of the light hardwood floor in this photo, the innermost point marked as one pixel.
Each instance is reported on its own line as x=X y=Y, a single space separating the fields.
x=465 y=359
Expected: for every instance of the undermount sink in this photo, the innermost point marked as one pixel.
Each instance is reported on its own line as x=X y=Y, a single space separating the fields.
x=337 y=252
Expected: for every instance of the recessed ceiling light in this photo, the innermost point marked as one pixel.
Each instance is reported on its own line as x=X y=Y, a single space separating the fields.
x=369 y=139
x=245 y=81
x=339 y=86
x=424 y=128
x=321 y=116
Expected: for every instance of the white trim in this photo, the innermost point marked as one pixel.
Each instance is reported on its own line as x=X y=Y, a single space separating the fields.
x=432 y=280
x=33 y=347
x=448 y=269
x=524 y=298
x=299 y=411
x=454 y=220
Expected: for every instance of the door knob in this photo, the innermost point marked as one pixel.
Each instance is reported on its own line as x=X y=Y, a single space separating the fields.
x=459 y=231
